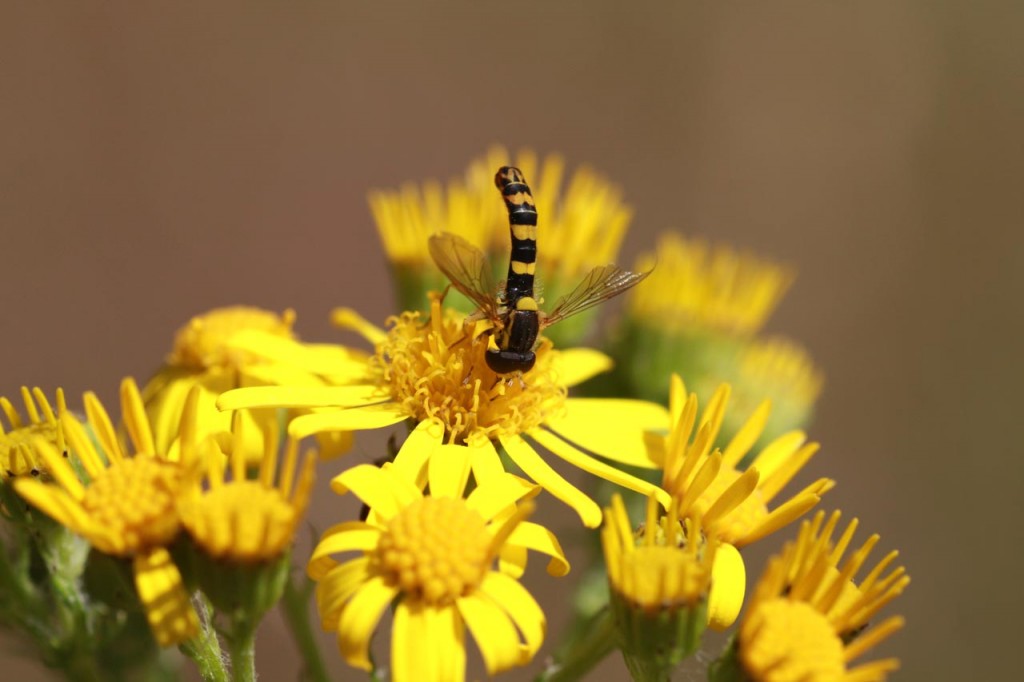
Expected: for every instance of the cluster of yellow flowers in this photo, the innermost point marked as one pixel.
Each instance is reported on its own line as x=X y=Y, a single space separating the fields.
x=188 y=489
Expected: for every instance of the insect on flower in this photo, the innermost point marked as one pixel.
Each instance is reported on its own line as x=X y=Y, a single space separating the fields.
x=512 y=309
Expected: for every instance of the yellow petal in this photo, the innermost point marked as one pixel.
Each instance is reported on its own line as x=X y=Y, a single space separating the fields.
x=355 y=419
x=418 y=448
x=382 y=490
x=347 y=318
x=448 y=471
x=527 y=459
x=102 y=427
x=350 y=536
x=538 y=538
x=747 y=435
x=54 y=502
x=512 y=560
x=778 y=451
x=493 y=496
x=277 y=375
x=59 y=468
x=336 y=587
x=591 y=465
x=359 y=619
x=300 y=396
x=611 y=428
x=135 y=419
x=162 y=592
x=780 y=517
x=494 y=633
x=164 y=396
x=485 y=460
x=728 y=584
x=310 y=359
x=428 y=644
x=520 y=606
x=575 y=365
x=81 y=444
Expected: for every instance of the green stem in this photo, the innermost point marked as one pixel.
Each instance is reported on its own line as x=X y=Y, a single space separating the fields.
x=295 y=603
x=242 y=648
x=584 y=652
x=204 y=649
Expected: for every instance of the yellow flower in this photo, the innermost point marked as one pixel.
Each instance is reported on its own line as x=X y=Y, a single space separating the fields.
x=658 y=567
x=695 y=286
x=807 y=616
x=433 y=558
x=17 y=444
x=128 y=507
x=699 y=314
x=661 y=578
x=732 y=504
x=228 y=348
x=238 y=519
x=433 y=373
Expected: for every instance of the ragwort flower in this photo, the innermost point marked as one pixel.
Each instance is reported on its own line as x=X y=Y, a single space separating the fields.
x=733 y=504
x=127 y=509
x=18 y=455
x=228 y=348
x=434 y=370
x=661 y=577
x=808 y=617
x=242 y=526
x=433 y=558
x=238 y=519
x=700 y=315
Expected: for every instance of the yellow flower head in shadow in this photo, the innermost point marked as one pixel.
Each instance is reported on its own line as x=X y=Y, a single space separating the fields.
x=228 y=348
x=697 y=286
x=434 y=559
x=128 y=507
x=18 y=455
x=808 y=616
x=432 y=371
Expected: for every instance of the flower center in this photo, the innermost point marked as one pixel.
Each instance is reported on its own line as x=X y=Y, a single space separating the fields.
x=202 y=343
x=436 y=369
x=17 y=450
x=741 y=520
x=134 y=499
x=243 y=521
x=436 y=549
x=790 y=641
x=656 y=577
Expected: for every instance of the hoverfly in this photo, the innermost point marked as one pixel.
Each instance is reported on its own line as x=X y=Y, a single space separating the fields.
x=513 y=310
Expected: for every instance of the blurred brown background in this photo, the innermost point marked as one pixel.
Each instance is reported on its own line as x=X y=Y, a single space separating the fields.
x=156 y=162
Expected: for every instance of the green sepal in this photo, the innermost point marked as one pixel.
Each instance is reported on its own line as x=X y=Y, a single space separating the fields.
x=727 y=667
x=235 y=589
x=653 y=644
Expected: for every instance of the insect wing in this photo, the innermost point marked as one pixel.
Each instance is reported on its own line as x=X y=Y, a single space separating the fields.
x=600 y=284
x=466 y=268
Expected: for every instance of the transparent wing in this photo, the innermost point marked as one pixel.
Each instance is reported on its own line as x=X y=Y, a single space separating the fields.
x=600 y=284
x=466 y=268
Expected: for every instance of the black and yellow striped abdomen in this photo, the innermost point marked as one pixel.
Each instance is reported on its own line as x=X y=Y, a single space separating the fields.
x=522 y=219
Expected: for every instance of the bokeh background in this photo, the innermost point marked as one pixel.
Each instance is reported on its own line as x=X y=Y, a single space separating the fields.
x=157 y=161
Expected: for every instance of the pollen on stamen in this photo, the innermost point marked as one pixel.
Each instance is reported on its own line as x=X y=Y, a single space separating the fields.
x=436 y=368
